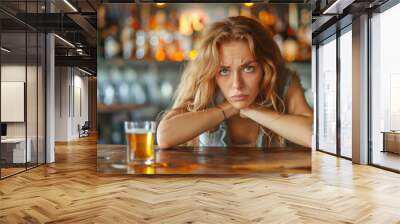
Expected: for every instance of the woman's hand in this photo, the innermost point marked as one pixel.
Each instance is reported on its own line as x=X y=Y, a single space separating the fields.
x=174 y=129
x=293 y=127
x=228 y=109
x=245 y=111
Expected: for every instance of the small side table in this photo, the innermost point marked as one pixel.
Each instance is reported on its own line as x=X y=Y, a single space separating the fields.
x=391 y=141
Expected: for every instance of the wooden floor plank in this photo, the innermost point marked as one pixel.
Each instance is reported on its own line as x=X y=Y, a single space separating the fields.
x=70 y=191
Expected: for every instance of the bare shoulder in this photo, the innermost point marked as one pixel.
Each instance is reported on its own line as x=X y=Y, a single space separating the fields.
x=295 y=99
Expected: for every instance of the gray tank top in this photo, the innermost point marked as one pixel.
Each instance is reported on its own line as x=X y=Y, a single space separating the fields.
x=221 y=138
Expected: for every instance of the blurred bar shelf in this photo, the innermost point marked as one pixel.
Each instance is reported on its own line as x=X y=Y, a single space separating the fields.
x=139 y=63
x=104 y=108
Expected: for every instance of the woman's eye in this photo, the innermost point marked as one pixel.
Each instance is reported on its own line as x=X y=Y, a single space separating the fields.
x=249 y=69
x=224 y=71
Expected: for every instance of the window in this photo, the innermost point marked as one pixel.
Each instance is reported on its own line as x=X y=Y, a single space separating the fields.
x=346 y=93
x=327 y=96
x=385 y=89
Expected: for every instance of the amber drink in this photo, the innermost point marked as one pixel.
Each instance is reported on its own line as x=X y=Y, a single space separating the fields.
x=140 y=142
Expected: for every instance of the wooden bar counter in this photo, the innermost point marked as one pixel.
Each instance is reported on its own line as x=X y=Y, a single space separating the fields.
x=111 y=159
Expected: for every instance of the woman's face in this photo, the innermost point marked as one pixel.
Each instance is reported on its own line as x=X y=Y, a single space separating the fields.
x=239 y=74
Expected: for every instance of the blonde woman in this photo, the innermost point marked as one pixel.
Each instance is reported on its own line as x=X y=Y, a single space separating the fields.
x=237 y=92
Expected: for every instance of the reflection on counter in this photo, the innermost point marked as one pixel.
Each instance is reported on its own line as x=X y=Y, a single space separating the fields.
x=207 y=160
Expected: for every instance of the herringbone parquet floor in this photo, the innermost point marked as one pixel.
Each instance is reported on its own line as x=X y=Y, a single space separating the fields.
x=70 y=191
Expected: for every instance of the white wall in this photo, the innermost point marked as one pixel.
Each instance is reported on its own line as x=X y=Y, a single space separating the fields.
x=61 y=103
x=71 y=87
x=13 y=73
x=79 y=115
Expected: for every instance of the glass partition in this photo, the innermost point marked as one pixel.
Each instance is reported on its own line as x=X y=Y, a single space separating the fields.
x=31 y=97
x=22 y=89
x=15 y=151
x=41 y=86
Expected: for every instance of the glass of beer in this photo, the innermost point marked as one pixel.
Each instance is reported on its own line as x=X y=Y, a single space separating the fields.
x=140 y=142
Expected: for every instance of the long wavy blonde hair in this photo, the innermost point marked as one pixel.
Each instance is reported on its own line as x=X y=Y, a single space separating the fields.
x=198 y=85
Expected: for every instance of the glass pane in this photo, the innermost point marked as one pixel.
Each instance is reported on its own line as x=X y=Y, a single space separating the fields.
x=23 y=85
x=346 y=94
x=32 y=86
x=327 y=97
x=31 y=97
x=41 y=99
x=13 y=85
x=385 y=89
